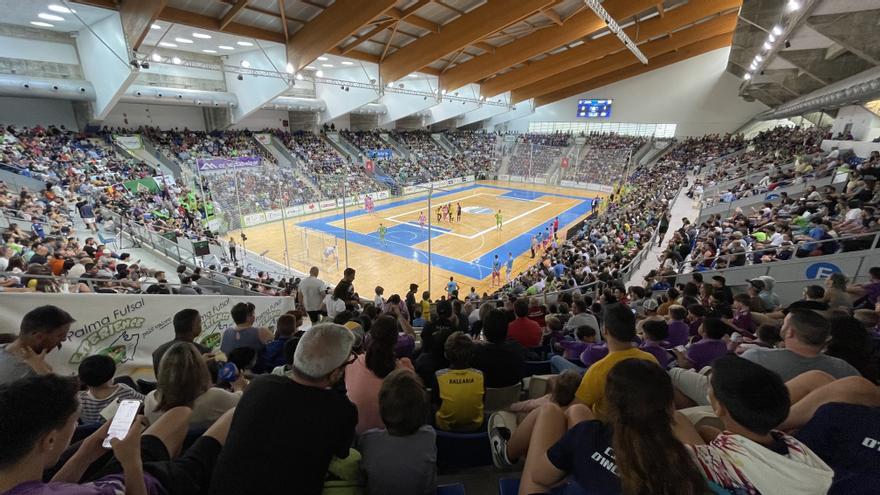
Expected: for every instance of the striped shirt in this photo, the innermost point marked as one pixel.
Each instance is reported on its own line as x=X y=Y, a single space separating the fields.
x=91 y=407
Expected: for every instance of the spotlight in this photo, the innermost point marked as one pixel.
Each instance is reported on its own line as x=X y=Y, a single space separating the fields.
x=793 y=5
x=443 y=92
x=134 y=63
x=26 y=86
x=747 y=76
x=240 y=77
x=777 y=30
x=156 y=57
x=55 y=88
x=771 y=37
x=145 y=65
x=767 y=46
x=787 y=44
x=299 y=77
x=391 y=85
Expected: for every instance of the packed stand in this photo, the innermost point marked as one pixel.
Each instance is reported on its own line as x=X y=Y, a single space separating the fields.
x=604 y=159
x=478 y=148
x=532 y=160
x=187 y=146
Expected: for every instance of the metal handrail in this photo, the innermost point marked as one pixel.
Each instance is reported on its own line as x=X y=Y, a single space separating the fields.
x=93 y=281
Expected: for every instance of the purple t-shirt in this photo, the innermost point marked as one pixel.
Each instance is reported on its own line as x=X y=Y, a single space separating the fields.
x=573 y=348
x=108 y=485
x=593 y=353
x=743 y=321
x=679 y=333
x=658 y=350
x=695 y=327
x=872 y=292
x=705 y=351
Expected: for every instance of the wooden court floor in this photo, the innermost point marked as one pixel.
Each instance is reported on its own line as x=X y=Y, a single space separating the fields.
x=464 y=250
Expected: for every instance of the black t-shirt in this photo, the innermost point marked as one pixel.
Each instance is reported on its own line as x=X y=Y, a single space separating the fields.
x=502 y=365
x=282 y=438
x=807 y=304
x=585 y=453
x=847 y=438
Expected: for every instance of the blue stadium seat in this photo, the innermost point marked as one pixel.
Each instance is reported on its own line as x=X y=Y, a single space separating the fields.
x=538 y=368
x=453 y=489
x=463 y=450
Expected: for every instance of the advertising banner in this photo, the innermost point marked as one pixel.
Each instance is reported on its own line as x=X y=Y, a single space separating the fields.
x=503 y=177
x=254 y=219
x=327 y=204
x=469 y=178
x=311 y=208
x=147 y=184
x=516 y=178
x=132 y=143
x=380 y=154
x=540 y=180
x=265 y=139
x=272 y=215
x=209 y=164
x=294 y=211
x=383 y=195
x=129 y=328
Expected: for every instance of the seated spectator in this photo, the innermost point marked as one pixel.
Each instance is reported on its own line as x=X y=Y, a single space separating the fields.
x=96 y=373
x=679 y=330
x=301 y=417
x=637 y=450
x=523 y=329
x=272 y=355
x=742 y=315
x=40 y=414
x=656 y=333
x=243 y=333
x=460 y=388
x=804 y=334
x=502 y=361
x=581 y=317
x=836 y=295
x=187 y=326
x=750 y=456
x=418 y=321
x=404 y=408
x=851 y=342
x=434 y=335
x=363 y=377
x=42 y=330
x=619 y=331
x=289 y=351
x=709 y=348
x=184 y=380
x=572 y=350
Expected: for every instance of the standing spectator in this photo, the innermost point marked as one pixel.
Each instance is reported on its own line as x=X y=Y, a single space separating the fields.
x=286 y=430
x=403 y=407
x=42 y=330
x=451 y=289
x=87 y=213
x=232 y=254
x=312 y=290
x=244 y=333
x=96 y=373
x=411 y=299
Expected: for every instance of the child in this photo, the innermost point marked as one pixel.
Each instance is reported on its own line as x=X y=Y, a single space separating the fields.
x=679 y=330
x=767 y=337
x=96 y=372
x=289 y=351
x=403 y=406
x=418 y=321
x=379 y=301
x=742 y=316
x=656 y=332
x=572 y=349
x=460 y=388
x=426 y=306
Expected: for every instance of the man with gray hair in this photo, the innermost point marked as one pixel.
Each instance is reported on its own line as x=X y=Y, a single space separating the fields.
x=286 y=430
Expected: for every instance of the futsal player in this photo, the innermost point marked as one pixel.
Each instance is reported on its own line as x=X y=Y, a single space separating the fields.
x=498 y=220
x=496 y=270
x=534 y=244
x=458 y=212
x=422 y=220
x=330 y=252
x=439 y=213
x=382 y=231
x=509 y=266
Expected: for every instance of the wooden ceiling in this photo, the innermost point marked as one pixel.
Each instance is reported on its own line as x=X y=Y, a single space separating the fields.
x=541 y=49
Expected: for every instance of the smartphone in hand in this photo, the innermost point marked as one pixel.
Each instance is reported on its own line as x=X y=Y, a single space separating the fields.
x=122 y=420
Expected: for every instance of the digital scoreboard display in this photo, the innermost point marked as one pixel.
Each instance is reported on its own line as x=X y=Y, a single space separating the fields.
x=594 y=109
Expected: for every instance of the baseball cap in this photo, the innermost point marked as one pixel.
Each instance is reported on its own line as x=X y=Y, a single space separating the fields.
x=757 y=283
x=650 y=304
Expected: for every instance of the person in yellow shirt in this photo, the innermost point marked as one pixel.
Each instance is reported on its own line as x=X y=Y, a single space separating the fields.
x=619 y=331
x=426 y=305
x=460 y=387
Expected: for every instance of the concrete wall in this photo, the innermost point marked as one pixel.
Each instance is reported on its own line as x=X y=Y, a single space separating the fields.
x=865 y=125
x=36 y=111
x=264 y=119
x=162 y=116
x=698 y=95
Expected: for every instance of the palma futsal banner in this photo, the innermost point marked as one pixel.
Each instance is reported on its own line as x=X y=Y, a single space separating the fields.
x=129 y=328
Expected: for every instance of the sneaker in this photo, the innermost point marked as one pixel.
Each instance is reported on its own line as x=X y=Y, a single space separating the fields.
x=499 y=435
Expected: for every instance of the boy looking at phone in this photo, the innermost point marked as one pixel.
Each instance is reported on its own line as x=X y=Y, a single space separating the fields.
x=40 y=416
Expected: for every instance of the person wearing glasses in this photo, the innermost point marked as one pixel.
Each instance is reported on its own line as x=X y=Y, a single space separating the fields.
x=286 y=429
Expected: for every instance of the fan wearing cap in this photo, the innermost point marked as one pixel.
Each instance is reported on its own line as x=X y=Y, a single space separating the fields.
x=762 y=288
x=286 y=430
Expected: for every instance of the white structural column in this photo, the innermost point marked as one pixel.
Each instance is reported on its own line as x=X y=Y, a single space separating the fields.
x=484 y=112
x=403 y=105
x=104 y=59
x=447 y=109
x=254 y=91
x=339 y=101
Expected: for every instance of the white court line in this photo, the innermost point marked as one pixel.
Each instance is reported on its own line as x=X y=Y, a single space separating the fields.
x=438 y=204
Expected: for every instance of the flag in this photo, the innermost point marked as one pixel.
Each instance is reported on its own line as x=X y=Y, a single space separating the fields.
x=565 y=162
x=369 y=166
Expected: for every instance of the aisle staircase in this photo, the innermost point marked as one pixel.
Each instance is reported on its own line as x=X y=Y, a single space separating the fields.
x=285 y=157
x=444 y=143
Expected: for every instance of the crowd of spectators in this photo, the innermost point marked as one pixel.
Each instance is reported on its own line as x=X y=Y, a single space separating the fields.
x=604 y=158
x=530 y=159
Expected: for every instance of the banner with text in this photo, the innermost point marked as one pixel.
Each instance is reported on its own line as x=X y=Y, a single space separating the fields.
x=132 y=143
x=209 y=164
x=129 y=328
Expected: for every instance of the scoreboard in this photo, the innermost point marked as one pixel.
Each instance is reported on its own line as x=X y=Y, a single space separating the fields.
x=593 y=109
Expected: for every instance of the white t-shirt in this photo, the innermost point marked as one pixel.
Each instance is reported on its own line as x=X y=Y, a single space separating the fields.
x=334 y=306
x=853 y=214
x=313 y=292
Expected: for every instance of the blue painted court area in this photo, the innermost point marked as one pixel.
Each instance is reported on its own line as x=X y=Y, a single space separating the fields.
x=401 y=237
x=408 y=235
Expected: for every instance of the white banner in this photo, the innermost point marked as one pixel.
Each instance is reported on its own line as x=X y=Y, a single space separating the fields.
x=539 y=180
x=410 y=189
x=273 y=215
x=469 y=178
x=327 y=204
x=264 y=138
x=516 y=178
x=311 y=207
x=129 y=328
x=383 y=194
x=130 y=142
x=503 y=177
x=254 y=219
x=294 y=211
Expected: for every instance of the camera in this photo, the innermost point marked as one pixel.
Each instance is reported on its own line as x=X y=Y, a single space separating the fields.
x=243 y=237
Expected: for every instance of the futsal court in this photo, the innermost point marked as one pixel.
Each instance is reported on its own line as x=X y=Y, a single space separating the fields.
x=462 y=249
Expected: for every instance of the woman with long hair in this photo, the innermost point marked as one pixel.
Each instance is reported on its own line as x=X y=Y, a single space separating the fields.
x=637 y=451
x=363 y=377
x=184 y=380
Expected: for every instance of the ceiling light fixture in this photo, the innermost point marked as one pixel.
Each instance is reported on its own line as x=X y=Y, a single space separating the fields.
x=747 y=76
x=793 y=5
x=244 y=43
x=50 y=17
x=225 y=47
x=167 y=44
x=759 y=58
x=391 y=85
x=443 y=92
x=176 y=60
x=767 y=45
x=209 y=51
x=771 y=38
x=42 y=24
x=777 y=30
x=346 y=62
x=329 y=66
x=323 y=59
x=156 y=57
x=202 y=36
x=320 y=73
x=615 y=29
x=299 y=77
x=245 y=64
x=289 y=68
x=60 y=8
x=155 y=26
x=183 y=40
